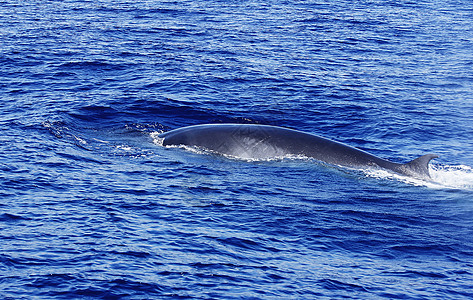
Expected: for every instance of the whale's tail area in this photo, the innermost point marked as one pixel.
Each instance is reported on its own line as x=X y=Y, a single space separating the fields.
x=418 y=168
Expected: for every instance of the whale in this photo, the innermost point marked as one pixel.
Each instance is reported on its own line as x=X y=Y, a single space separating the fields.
x=255 y=141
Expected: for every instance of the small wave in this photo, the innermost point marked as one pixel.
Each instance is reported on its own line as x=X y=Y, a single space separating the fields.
x=60 y=130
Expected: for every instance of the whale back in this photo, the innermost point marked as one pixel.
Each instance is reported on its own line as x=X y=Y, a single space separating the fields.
x=265 y=142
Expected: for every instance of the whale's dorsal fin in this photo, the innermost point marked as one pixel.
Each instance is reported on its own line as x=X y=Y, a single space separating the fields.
x=419 y=167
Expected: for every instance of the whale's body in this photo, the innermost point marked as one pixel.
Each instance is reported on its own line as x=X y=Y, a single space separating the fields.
x=264 y=142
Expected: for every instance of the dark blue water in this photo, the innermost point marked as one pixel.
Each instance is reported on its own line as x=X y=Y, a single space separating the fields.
x=93 y=207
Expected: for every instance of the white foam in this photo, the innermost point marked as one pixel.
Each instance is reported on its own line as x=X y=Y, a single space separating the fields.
x=443 y=177
x=156 y=139
x=456 y=177
x=124 y=147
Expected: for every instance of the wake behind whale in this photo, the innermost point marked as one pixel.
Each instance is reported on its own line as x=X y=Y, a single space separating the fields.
x=265 y=142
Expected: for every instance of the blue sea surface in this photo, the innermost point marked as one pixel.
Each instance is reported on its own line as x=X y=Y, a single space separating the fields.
x=94 y=207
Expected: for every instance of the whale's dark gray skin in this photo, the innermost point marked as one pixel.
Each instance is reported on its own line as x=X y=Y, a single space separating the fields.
x=264 y=141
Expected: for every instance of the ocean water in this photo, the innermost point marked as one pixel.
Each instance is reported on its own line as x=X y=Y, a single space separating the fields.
x=93 y=207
